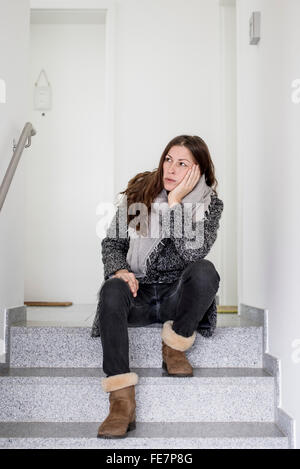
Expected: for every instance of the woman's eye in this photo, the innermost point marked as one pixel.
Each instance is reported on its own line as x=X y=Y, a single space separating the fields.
x=168 y=159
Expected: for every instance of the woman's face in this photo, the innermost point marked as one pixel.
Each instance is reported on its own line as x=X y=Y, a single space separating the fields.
x=177 y=163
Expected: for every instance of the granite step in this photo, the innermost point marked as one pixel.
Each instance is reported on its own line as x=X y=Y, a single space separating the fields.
x=154 y=435
x=211 y=395
x=237 y=345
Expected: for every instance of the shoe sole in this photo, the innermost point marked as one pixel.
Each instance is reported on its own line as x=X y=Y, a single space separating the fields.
x=131 y=426
x=183 y=375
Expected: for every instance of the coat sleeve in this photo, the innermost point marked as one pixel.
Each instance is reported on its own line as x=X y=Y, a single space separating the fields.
x=114 y=248
x=193 y=240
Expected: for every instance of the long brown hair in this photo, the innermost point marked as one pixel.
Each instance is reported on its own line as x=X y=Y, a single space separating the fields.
x=144 y=187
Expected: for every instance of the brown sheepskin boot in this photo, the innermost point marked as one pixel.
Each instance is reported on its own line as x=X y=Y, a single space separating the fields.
x=173 y=347
x=122 y=405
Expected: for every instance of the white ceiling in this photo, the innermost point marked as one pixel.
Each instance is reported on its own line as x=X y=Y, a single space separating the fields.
x=61 y=16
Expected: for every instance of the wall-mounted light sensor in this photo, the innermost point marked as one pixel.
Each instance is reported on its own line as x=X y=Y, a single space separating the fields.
x=254 y=27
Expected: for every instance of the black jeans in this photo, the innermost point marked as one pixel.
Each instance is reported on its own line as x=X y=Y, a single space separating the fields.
x=184 y=301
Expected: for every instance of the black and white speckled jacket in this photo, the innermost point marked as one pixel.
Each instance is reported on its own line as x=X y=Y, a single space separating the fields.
x=168 y=259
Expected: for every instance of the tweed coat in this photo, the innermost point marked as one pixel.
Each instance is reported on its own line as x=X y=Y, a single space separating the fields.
x=168 y=259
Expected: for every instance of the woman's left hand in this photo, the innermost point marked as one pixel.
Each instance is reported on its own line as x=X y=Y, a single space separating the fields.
x=185 y=186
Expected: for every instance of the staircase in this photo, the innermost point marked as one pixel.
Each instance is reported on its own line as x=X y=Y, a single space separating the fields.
x=51 y=395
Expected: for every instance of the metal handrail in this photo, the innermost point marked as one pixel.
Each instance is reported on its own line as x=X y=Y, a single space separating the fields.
x=26 y=134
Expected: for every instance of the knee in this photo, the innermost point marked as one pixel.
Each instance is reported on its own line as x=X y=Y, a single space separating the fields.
x=204 y=270
x=113 y=290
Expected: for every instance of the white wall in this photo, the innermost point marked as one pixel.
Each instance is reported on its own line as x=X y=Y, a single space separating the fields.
x=167 y=79
x=66 y=175
x=14 y=58
x=269 y=191
x=228 y=164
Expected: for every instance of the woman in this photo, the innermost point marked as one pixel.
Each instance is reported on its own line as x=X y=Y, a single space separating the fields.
x=162 y=277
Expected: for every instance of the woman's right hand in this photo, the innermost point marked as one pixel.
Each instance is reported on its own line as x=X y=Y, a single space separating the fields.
x=128 y=277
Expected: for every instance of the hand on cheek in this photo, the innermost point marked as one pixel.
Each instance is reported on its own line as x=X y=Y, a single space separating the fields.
x=186 y=185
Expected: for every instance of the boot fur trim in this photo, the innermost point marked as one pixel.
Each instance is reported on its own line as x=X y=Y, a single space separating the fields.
x=174 y=340
x=122 y=380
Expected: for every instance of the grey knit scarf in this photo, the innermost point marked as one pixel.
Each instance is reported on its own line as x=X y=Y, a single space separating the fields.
x=143 y=243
